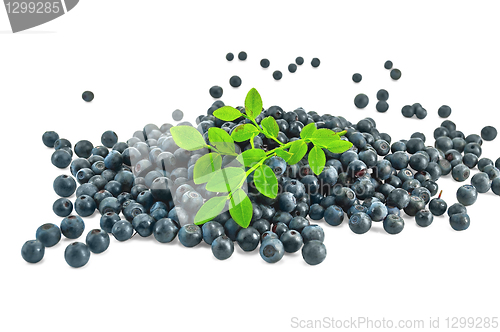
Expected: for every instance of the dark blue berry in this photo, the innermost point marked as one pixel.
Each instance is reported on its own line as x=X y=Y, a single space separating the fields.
x=122 y=230
x=495 y=186
x=481 y=182
x=49 y=138
x=382 y=106
x=88 y=96
x=388 y=64
x=489 y=133
x=460 y=221
x=460 y=172
x=298 y=223
x=85 y=205
x=395 y=74
x=292 y=241
x=393 y=224
x=212 y=230
x=314 y=252
x=109 y=204
x=77 y=254
x=61 y=158
x=83 y=149
x=109 y=138
x=272 y=250
x=292 y=68
x=398 y=198
x=72 y=227
x=312 y=232
x=277 y=75
x=108 y=220
x=229 y=57
x=48 y=234
x=264 y=63
x=467 y=195
x=424 y=218
x=97 y=241
x=32 y=251
x=416 y=204
x=361 y=100
x=408 y=111
x=360 y=223
x=222 y=247
x=143 y=224
x=62 y=207
x=456 y=208
x=242 y=55
x=356 y=78
x=248 y=238
x=190 y=235
x=216 y=91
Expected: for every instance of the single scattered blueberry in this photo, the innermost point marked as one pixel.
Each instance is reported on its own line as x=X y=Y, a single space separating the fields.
x=314 y=252
x=444 y=111
x=242 y=55
x=49 y=138
x=299 y=60
x=248 y=238
x=489 y=133
x=77 y=254
x=216 y=91
x=277 y=75
x=361 y=100
x=395 y=74
x=88 y=96
x=481 y=181
x=97 y=241
x=235 y=81
x=83 y=148
x=264 y=63
x=85 y=205
x=383 y=95
x=60 y=158
x=229 y=56
x=33 y=251
x=48 y=234
x=388 y=64
x=356 y=78
x=315 y=62
x=292 y=68
x=382 y=106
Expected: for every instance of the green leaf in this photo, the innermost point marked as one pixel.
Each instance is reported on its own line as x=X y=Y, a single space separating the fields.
x=339 y=146
x=250 y=157
x=227 y=113
x=226 y=179
x=298 y=149
x=265 y=181
x=253 y=103
x=270 y=126
x=187 y=137
x=240 y=208
x=205 y=167
x=308 y=131
x=221 y=140
x=317 y=160
x=284 y=154
x=210 y=209
x=324 y=137
x=244 y=132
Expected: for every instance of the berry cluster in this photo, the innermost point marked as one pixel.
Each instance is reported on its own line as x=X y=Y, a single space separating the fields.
x=145 y=185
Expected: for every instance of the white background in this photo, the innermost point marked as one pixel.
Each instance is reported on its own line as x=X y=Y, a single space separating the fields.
x=144 y=59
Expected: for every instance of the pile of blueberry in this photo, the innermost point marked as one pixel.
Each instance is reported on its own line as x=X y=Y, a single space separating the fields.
x=144 y=186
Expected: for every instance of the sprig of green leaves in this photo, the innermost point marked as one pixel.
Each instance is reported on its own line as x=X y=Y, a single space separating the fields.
x=229 y=180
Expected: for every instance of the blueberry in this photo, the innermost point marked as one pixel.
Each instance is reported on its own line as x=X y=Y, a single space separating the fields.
x=113 y=160
x=114 y=187
x=229 y=57
x=456 y=208
x=268 y=236
x=497 y=163
x=470 y=160
x=358 y=140
x=122 y=230
x=383 y=169
x=424 y=218
x=84 y=175
x=361 y=100
x=264 y=63
x=216 y=91
x=381 y=147
x=262 y=225
x=97 y=241
x=495 y=186
x=316 y=212
x=32 y=251
x=445 y=166
x=72 y=227
x=444 y=111
x=248 y=238
x=312 y=232
x=83 y=149
x=108 y=220
x=85 y=205
x=460 y=172
x=272 y=250
x=292 y=68
x=165 y=230
x=287 y=202
x=481 y=182
x=356 y=78
x=109 y=138
x=489 y=133
x=483 y=162
x=416 y=204
x=234 y=81
x=377 y=211
x=334 y=215
x=231 y=228
x=77 y=254
x=418 y=162
x=398 y=198
x=298 y=223
x=277 y=75
x=49 y=138
x=395 y=74
x=459 y=144
x=48 y=234
x=400 y=160
x=443 y=143
x=242 y=55
x=222 y=247
x=100 y=196
x=432 y=186
x=146 y=199
x=292 y=241
x=88 y=96
x=212 y=230
x=109 y=204
x=99 y=181
x=315 y=62
x=143 y=224
x=314 y=252
x=299 y=60
x=60 y=158
x=460 y=221
x=388 y=64
x=414 y=144
x=277 y=164
x=360 y=223
x=408 y=111
x=86 y=189
x=393 y=224
x=467 y=195
x=437 y=206
x=62 y=207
